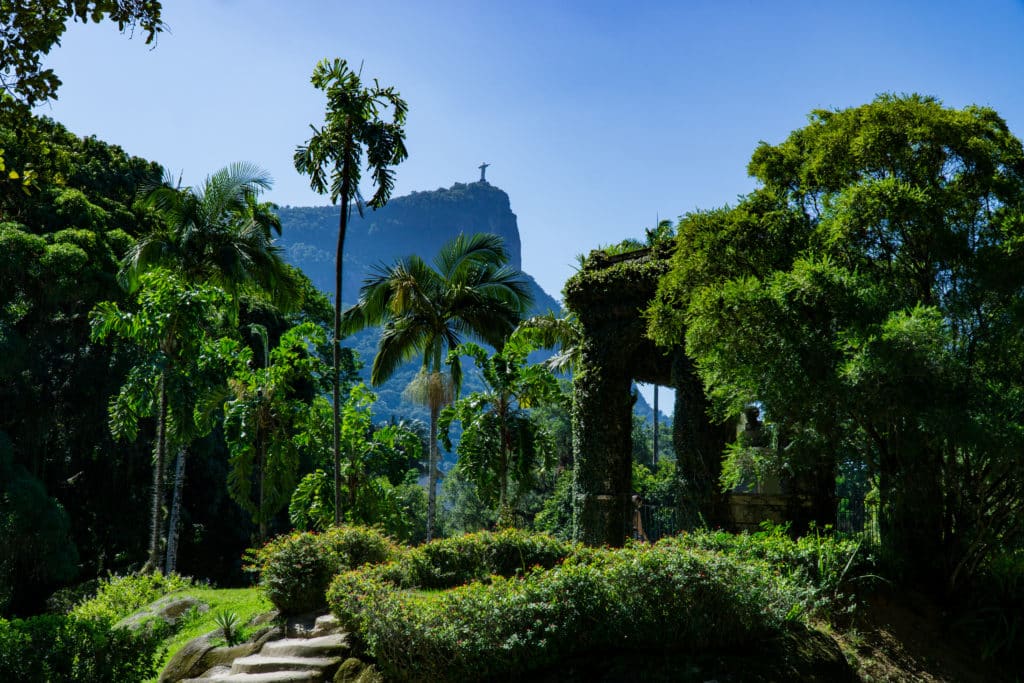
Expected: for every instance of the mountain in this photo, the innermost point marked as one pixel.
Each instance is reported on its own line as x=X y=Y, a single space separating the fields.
x=418 y=223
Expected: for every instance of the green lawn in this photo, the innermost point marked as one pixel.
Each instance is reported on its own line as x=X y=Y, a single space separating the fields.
x=246 y=603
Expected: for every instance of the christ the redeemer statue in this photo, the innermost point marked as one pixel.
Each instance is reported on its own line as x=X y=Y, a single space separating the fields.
x=483 y=172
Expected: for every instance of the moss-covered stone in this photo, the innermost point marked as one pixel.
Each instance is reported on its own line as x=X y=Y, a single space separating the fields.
x=609 y=296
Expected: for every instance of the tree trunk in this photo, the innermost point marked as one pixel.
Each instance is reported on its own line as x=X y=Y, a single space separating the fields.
x=171 y=562
x=336 y=345
x=504 y=514
x=261 y=466
x=654 y=457
x=435 y=409
x=910 y=518
x=153 y=563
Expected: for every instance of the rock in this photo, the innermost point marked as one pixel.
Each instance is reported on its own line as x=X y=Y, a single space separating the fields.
x=168 y=610
x=199 y=656
x=184 y=663
x=349 y=671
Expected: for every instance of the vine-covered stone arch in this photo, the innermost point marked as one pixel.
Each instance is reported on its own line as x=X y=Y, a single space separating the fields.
x=609 y=296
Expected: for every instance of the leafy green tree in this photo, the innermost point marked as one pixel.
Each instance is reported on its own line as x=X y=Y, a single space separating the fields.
x=378 y=473
x=333 y=159
x=460 y=507
x=262 y=418
x=217 y=233
x=61 y=240
x=895 y=328
x=426 y=311
x=501 y=443
x=29 y=30
x=167 y=331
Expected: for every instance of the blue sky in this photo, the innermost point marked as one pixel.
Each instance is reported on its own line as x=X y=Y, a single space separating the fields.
x=596 y=117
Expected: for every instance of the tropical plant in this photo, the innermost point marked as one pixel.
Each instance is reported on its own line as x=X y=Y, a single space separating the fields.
x=501 y=442
x=263 y=416
x=549 y=331
x=378 y=469
x=168 y=330
x=217 y=233
x=333 y=160
x=227 y=623
x=427 y=310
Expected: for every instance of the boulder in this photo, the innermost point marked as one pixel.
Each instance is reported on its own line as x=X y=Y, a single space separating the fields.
x=168 y=610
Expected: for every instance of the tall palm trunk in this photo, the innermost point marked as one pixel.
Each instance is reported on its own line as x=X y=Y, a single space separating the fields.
x=336 y=371
x=654 y=458
x=173 y=524
x=504 y=513
x=153 y=563
x=435 y=410
x=261 y=466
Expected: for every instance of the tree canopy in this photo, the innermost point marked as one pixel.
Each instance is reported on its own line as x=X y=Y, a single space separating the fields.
x=883 y=318
x=29 y=30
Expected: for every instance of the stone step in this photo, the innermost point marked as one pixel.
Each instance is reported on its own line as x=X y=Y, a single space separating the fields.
x=267 y=677
x=325 y=623
x=255 y=664
x=322 y=646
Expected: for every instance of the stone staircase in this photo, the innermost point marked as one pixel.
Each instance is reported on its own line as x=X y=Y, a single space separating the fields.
x=305 y=656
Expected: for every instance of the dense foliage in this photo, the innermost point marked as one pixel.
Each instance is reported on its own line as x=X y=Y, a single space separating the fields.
x=66 y=648
x=117 y=597
x=61 y=238
x=650 y=598
x=890 y=288
x=296 y=569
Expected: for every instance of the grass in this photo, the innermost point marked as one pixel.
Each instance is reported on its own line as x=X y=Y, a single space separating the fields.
x=244 y=602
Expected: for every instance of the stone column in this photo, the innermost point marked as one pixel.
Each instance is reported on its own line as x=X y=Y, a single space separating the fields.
x=602 y=473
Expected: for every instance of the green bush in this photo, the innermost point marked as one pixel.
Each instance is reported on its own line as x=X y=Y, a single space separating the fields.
x=295 y=570
x=450 y=562
x=649 y=598
x=824 y=560
x=992 y=617
x=120 y=596
x=64 y=648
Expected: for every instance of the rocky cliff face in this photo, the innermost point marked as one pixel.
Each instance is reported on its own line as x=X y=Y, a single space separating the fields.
x=418 y=223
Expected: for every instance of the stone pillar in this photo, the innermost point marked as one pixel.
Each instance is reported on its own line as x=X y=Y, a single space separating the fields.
x=602 y=472
x=699 y=445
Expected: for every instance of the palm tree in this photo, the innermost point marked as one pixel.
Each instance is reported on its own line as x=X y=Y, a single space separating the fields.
x=426 y=311
x=333 y=160
x=218 y=233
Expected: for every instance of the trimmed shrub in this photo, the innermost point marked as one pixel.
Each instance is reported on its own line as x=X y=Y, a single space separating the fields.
x=649 y=598
x=120 y=596
x=295 y=570
x=64 y=648
x=450 y=562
